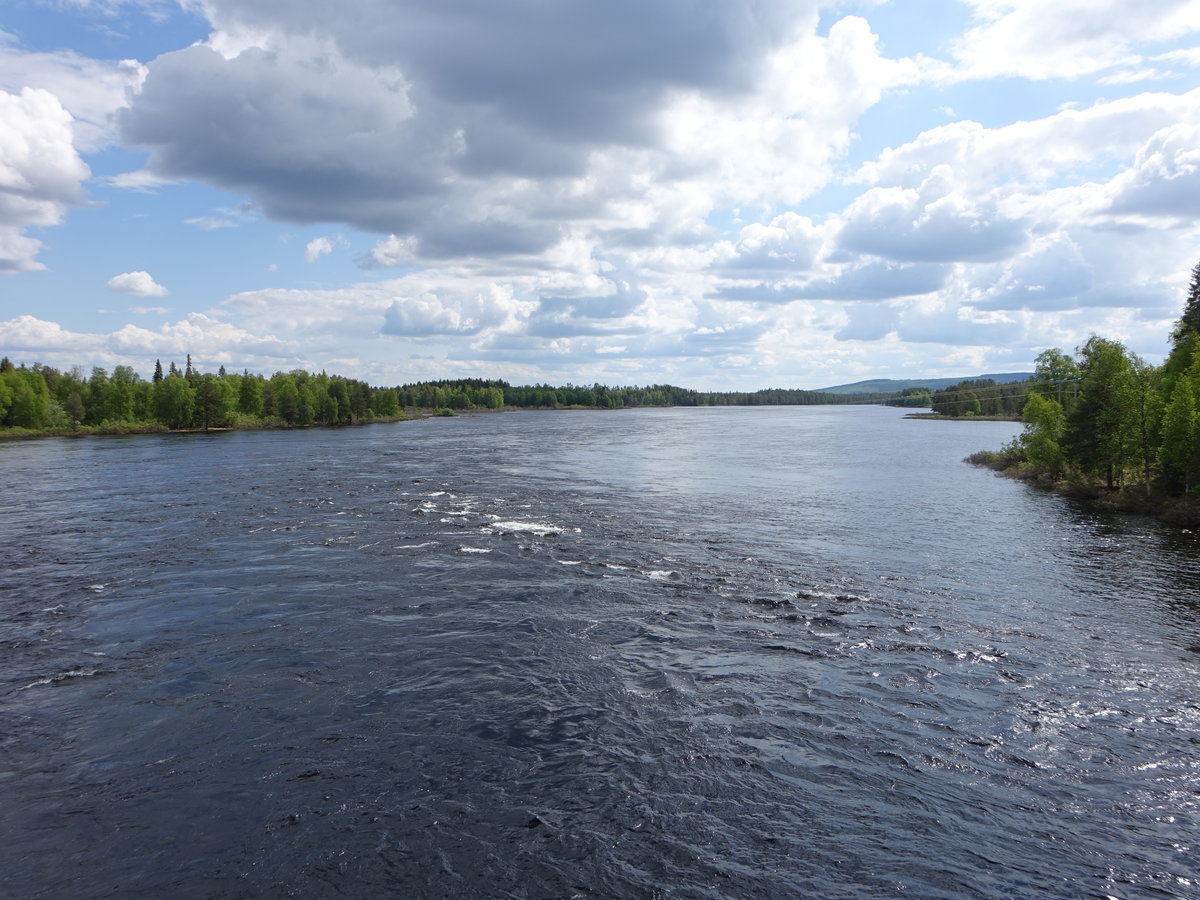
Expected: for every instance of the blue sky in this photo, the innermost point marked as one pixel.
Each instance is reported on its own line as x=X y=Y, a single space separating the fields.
x=722 y=194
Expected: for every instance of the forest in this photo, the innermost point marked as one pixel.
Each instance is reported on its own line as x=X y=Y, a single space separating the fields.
x=41 y=398
x=1105 y=420
x=38 y=399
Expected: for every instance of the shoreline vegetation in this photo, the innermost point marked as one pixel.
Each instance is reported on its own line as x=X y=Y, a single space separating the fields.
x=1110 y=428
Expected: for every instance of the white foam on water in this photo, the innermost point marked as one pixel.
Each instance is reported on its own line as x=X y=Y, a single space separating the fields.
x=541 y=529
x=416 y=546
x=663 y=575
x=473 y=550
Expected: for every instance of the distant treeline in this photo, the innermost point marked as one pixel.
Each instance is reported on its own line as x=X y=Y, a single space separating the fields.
x=42 y=398
x=473 y=393
x=981 y=397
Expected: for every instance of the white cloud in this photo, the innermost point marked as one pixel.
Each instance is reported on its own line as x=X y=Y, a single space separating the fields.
x=789 y=243
x=391 y=251
x=1067 y=38
x=211 y=223
x=210 y=342
x=463 y=313
x=316 y=248
x=40 y=173
x=136 y=284
x=90 y=89
x=931 y=223
x=1165 y=176
x=141 y=180
x=1037 y=151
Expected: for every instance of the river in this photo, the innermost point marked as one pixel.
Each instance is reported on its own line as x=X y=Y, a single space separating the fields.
x=678 y=653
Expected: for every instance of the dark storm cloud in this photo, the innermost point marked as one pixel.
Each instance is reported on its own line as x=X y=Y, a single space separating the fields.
x=307 y=138
x=583 y=70
x=410 y=117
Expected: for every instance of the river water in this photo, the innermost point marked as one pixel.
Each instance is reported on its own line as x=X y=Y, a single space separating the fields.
x=684 y=653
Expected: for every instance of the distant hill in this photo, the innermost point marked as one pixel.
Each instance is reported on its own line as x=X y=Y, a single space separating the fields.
x=893 y=385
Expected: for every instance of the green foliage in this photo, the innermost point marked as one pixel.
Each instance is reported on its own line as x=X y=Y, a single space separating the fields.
x=980 y=397
x=174 y=402
x=26 y=398
x=1056 y=376
x=1045 y=425
x=1189 y=323
x=916 y=397
x=1100 y=428
x=1179 y=449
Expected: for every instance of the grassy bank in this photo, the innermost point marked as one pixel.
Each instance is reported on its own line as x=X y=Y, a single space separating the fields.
x=1182 y=511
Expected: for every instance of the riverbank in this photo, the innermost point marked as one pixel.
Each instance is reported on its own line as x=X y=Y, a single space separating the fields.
x=126 y=428
x=1132 y=499
x=938 y=417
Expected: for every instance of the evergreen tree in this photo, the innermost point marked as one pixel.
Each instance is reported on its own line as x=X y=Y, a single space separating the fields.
x=209 y=407
x=158 y=373
x=1189 y=322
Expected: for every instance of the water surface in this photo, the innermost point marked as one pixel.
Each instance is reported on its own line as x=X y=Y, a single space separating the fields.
x=763 y=652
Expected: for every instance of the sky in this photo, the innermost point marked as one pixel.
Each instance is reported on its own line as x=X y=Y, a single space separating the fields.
x=718 y=194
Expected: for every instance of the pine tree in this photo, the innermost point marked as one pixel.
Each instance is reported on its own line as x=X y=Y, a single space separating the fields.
x=1189 y=322
x=158 y=375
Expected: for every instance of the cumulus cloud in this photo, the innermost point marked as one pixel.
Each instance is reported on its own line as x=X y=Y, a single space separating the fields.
x=444 y=312
x=393 y=250
x=1068 y=38
x=1051 y=275
x=1037 y=151
x=1165 y=177
x=208 y=340
x=583 y=315
x=444 y=132
x=91 y=90
x=877 y=281
x=931 y=223
x=316 y=248
x=788 y=244
x=136 y=284
x=40 y=172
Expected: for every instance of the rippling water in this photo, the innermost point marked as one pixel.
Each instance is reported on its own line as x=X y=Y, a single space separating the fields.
x=767 y=652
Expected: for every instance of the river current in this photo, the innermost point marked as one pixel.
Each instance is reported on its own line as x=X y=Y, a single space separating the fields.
x=682 y=653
